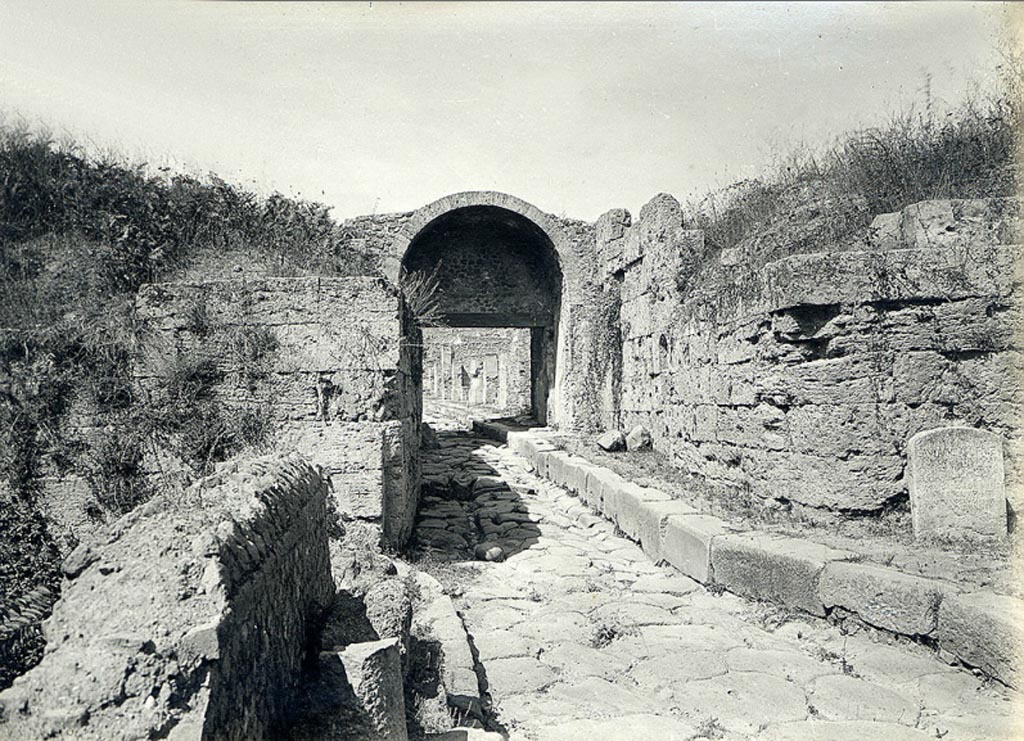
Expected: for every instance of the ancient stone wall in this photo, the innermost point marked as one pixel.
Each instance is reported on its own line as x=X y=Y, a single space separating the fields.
x=804 y=380
x=326 y=361
x=499 y=357
x=191 y=618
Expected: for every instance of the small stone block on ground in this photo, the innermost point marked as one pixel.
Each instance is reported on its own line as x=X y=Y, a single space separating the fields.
x=374 y=670
x=639 y=438
x=773 y=568
x=612 y=441
x=957 y=490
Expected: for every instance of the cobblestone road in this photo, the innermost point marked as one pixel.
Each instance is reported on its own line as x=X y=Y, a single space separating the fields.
x=580 y=636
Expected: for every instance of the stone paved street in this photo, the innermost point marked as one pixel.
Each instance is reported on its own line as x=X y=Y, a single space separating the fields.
x=580 y=636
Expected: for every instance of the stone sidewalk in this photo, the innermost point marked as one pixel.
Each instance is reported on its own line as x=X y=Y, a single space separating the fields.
x=579 y=636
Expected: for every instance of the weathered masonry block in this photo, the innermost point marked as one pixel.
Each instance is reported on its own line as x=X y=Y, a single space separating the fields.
x=884 y=597
x=985 y=630
x=327 y=362
x=773 y=568
x=192 y=619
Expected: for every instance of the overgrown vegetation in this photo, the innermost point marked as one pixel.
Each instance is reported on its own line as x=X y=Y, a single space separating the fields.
x=813 y=199
x=78 y=236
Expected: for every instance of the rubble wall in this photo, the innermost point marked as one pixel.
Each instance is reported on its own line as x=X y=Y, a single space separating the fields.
x=804 y=380
x=328 y=362
x=191 y=618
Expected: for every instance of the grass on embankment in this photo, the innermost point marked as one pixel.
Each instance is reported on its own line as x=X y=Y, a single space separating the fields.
x=816 y=200
x=78 y=236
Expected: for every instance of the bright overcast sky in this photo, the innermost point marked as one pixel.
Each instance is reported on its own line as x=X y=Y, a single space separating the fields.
x=576 y=108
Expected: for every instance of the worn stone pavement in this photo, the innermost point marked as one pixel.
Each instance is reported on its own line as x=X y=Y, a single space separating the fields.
x=579 y=636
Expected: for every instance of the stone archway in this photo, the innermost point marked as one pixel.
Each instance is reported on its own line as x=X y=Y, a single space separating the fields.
x=498 y=262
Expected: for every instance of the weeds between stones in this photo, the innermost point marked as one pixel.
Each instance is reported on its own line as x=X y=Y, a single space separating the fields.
x=610 y=629
x=710 y=728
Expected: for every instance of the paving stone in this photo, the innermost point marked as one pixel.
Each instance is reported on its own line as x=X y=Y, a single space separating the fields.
x=819 y=730
x=661 y=583
x=842 y=697
x=675 y=666
x=594 y=695
x=773 y=568
x=793 y=665
x=503 y=644
x=897 y=664
x=970 y=727
x=742 y=702
x=518 y=675
x=574 y=660
x=643 y=726
x=953 y=692
x=630 y=614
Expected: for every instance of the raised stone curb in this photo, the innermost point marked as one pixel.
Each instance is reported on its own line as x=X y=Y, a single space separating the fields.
x=686 y=543
x=652 y=518
x=773 y=568
x=983 y=630
x=624 y=504
x=436 y=619
x=884 y=597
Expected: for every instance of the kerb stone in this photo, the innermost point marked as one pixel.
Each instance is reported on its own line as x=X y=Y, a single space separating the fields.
x=883 y=597
x=985 y=630
x=686 y=544
x=600 y=481
x=652 y=517
x=623 y=505
x=955 y=477
x=773 y=568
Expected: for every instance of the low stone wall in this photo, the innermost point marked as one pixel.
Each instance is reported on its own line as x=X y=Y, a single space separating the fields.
x=328 y=362
x=804 y=380
x=192 y=618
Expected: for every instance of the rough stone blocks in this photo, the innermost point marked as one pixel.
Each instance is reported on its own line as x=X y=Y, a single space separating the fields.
x=559 y=463
x=686 y=543
x=955 y=476
x=374 y=671
x=652 y=517
x=773 y=568
x=624 y=504
x=600 y=482
x=985 y=630
x=883 y=597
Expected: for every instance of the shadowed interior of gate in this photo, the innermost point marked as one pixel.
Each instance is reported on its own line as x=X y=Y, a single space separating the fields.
x=490 y=268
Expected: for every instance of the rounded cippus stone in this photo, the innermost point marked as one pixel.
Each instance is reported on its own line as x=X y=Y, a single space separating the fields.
x=955 y=477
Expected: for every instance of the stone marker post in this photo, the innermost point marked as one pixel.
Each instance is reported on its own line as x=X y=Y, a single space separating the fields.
x=955 y=476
